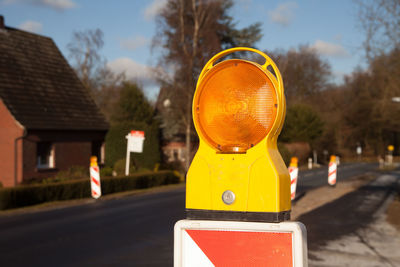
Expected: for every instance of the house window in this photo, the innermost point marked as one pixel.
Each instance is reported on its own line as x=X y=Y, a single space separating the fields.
x=45 y=155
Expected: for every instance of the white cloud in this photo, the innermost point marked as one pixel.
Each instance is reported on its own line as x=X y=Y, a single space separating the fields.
x=138 y=73
x=59 y=5
x=329 y=49
x=154 y=9
x=133 y=70
x=133 y=44
x=31 y=26
x=283 y=14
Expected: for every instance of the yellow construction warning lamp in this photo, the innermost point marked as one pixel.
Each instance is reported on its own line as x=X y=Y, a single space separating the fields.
x=294 y=162
x=93 y=161
x=238 y=172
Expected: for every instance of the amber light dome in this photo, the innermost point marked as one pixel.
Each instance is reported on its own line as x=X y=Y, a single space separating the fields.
x=235 y=106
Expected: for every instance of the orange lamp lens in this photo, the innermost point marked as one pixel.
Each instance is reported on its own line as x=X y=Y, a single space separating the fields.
x=235 y=106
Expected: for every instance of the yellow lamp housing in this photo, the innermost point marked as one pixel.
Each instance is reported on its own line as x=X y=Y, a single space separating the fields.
x=238 y=172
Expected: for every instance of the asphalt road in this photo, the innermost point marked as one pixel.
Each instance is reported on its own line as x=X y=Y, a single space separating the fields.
x=130 y=231
x=318 y=177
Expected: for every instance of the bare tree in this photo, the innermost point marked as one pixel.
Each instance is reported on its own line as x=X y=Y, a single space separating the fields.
x=304 y=73
x=369 y=110
x=190 y=33
x=108 y=89
x=91 y=68
x=380 y=20
x=84 y=53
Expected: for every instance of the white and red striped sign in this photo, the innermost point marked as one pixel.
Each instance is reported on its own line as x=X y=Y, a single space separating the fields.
x=332 y=172
x=95 y=181
x=294 y=173
x=223 y=243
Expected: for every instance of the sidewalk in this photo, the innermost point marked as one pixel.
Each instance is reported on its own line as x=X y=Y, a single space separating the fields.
x=351 y=229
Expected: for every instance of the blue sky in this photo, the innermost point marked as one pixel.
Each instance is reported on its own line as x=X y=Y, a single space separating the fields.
x=331 y=27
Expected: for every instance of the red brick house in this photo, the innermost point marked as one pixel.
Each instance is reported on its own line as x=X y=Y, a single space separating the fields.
x=48 y=121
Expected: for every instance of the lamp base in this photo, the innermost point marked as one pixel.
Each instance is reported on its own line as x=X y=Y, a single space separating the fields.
x=271 y=217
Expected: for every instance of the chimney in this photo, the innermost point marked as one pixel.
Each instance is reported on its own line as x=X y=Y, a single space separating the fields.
x=2 y=26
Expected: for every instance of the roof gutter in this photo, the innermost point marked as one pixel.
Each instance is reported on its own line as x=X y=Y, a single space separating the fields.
x=16 y=156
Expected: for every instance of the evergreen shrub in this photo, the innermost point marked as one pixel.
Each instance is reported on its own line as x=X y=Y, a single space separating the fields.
x=116 y=144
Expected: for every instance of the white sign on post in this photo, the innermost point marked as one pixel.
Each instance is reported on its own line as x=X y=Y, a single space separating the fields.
x=135 y=144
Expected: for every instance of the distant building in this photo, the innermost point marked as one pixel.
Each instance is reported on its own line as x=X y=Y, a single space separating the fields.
x=174 y=151
x=48 y=121
x=173 y=145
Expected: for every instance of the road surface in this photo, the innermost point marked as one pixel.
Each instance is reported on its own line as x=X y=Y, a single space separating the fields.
x=352 y=230
x=319 y=177
x=130 y=231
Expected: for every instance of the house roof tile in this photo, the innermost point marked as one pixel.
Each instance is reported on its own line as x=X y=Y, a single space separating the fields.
x=40 y=88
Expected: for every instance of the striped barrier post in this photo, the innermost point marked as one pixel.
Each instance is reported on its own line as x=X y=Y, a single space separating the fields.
x=95 y=178
x=332 y=171
x=294 y=172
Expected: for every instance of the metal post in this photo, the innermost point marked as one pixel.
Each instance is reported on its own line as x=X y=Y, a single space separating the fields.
x=128 y=160
x=309 y=163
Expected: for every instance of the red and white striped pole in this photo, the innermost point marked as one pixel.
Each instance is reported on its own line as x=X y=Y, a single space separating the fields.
x=332 y=171
x=95 y=178
x=294 y=172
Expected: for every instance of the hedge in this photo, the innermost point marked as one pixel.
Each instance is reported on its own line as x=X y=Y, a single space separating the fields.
x=15 y=197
